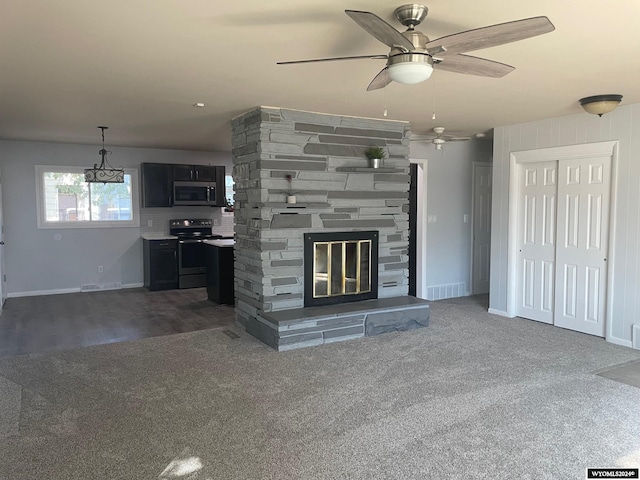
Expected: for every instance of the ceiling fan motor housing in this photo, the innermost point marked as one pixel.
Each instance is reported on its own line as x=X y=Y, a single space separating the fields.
x=411 y=15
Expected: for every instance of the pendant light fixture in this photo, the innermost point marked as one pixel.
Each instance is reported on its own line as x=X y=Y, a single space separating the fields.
x=104 y=173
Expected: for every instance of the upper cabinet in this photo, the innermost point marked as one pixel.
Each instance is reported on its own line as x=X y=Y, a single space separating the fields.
x=158 y=178
x=194 y=173
x=157 y=185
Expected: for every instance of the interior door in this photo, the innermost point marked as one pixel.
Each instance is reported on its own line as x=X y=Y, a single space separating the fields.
x=481 y=227
x=3 y=280
x=583 y=242
x=413 y=228
x=536 y=241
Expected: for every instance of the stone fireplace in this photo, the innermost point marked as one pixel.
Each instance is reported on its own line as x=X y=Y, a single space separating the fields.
x=320 y=159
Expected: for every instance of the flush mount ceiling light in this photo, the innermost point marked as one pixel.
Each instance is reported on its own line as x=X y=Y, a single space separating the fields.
x=104 y=173
x=600 y=104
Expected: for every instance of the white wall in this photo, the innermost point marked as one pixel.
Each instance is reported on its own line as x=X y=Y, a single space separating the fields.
x=623 y=125
x=35 y=261
x=449 y=182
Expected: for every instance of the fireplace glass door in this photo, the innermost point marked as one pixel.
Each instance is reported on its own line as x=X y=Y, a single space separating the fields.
x=340 y=267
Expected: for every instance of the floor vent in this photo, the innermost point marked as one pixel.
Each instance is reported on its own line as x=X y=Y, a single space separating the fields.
x=231 y=334
x=451 y=290
x=94 y=287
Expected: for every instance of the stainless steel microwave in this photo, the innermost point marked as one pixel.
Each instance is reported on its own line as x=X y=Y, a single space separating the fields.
x=194 y=193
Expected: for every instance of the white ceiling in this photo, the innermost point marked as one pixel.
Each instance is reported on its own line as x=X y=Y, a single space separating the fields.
x=138 y=66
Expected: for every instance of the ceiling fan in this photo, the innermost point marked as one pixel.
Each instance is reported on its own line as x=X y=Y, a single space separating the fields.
x=413 y=56
x=439 y=139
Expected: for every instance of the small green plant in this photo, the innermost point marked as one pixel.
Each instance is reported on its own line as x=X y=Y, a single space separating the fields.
x=375 y=152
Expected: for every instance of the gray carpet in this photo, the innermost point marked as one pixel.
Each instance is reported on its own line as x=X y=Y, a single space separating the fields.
x=472 y=396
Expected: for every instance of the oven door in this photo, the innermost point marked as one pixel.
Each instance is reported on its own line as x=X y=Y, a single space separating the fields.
x=191 y=257
x=193 y=193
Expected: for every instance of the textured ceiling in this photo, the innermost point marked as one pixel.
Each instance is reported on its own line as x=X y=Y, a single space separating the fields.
x=139 y=66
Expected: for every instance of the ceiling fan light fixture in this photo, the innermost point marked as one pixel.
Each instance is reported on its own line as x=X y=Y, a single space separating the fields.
x=600 y=104
x=410 y=68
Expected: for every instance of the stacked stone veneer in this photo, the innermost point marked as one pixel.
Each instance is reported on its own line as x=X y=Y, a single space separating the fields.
x=315 y=149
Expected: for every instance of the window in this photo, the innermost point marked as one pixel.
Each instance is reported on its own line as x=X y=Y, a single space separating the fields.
x=228 y=188
x=65 y=200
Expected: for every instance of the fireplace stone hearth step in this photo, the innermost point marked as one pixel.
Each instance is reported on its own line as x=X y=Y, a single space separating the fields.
x=305 y=327
x=370 y=170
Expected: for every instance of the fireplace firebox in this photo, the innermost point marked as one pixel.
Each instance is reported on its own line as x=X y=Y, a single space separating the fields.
x=340 y=267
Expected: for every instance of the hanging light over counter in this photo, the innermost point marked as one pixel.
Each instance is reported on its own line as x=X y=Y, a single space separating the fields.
x=104 y=173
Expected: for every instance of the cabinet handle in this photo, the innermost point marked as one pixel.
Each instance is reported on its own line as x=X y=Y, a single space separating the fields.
x=197 y=174
x=163 y=244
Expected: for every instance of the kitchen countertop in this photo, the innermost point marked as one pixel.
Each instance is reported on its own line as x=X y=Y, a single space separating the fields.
x=228 y=242
x=158 y=236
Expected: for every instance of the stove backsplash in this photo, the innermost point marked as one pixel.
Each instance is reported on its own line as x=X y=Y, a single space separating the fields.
x=223 y=223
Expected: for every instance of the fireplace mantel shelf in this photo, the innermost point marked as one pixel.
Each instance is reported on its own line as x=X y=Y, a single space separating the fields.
x=294 y=205
x=369 y=170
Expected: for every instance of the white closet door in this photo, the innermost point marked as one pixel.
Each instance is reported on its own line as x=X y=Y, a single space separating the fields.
x=536 y=241
x=582 y=246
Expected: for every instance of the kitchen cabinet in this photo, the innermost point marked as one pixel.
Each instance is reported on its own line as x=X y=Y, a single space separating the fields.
x=160 y=263
x=220 y=187
x=157 y=185
x=220 y=275
x=194 y=173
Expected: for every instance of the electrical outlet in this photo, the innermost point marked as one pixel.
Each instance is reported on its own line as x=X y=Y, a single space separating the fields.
x=465 y=218
x=149 y=223
x=100 y=269
x=432 y=218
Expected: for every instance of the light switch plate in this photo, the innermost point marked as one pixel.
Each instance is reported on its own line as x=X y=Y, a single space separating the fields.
x=432 y=218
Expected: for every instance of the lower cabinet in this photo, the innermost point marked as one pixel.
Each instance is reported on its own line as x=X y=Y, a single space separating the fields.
x=220 y=285
x=160 y=264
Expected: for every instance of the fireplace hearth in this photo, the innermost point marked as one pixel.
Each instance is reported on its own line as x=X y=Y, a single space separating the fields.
x=340 y=267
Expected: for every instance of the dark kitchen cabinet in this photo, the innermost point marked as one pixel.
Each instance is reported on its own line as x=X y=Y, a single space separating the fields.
x=220 y=187
x=194 y=173
x=157 y=185
x=160 y=264
x=220 y=274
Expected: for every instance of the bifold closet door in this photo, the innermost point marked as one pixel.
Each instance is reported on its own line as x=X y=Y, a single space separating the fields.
x=535 y=273
x=584 y=189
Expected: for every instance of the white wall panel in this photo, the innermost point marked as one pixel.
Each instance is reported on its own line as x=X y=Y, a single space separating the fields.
x=623 y=125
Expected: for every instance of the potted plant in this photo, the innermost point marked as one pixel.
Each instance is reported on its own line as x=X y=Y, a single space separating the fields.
x=291 y=198
x=375 y=156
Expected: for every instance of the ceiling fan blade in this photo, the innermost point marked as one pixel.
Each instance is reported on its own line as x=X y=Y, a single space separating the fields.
x=455 y=139
x=357 y=57
x=380 y=29
x=490 y=36
x=380 y=81
x=469 y=65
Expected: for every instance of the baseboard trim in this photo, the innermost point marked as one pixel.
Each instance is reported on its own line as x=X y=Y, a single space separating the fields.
x=36 y=293
x=502 y=313
x=635 y=336
x=620 y=341
x=61 y=291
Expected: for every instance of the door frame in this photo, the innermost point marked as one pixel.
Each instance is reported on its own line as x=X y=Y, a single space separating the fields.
x=569 y=152
x=421 y=230
x=473 y=217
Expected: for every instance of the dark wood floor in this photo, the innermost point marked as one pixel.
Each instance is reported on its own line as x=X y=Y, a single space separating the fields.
x=55 y=322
